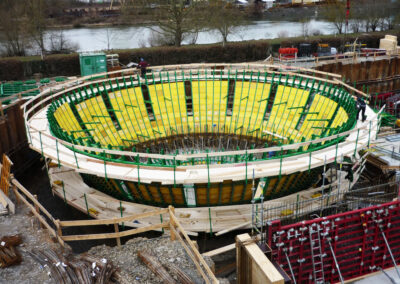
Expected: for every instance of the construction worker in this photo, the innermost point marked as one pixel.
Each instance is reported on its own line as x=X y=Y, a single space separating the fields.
x=361 y=105
x=143 y=67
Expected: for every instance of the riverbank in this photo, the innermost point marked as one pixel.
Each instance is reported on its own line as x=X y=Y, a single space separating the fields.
x=20 y=68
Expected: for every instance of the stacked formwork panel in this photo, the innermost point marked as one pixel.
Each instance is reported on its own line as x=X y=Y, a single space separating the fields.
x=344 y=246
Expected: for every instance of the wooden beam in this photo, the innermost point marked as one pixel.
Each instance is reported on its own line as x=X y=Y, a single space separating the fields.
x=113 y=220
x=114 y=235
x=196 y=252
x=220 y=250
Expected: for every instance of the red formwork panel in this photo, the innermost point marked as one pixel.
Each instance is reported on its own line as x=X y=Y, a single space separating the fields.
x=355 y=236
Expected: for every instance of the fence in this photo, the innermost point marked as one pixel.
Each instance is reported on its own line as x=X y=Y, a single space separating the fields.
x=55 y=228
x=338 y=247
x=332 y=203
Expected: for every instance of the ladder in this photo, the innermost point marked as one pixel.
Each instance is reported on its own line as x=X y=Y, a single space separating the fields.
x=316 y=254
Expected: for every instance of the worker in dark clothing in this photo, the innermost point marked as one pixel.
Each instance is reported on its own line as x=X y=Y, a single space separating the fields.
x=143 y=67
x=361 y=105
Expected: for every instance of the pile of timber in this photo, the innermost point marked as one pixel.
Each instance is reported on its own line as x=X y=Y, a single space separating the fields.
x=8 y=252
x=390 y=44
x=84 y=269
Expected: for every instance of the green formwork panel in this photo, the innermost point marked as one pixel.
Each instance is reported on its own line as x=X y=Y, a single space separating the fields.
x=92 y=63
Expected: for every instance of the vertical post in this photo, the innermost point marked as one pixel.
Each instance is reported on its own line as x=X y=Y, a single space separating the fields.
x=208 y=173
x=120 y=208
x=246 y=167
x=355 y=148
x=369 y=133
x=105 y=168
x=171 y=211
x=37 y=211
x=41 y=145
x=15 y=193
x=138 y=169
x=175 y=173
x=87 y=206
x=59 y=232
x=63 y=188
x=76 y=160
x=58 y=154
x=209 y=217
x=161 y=220
x=1 y=109
x=117 y=231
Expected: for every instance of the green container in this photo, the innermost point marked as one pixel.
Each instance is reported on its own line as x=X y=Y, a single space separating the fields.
x=92 y=63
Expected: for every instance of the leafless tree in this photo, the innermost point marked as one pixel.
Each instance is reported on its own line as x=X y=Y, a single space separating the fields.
x=335 y=12
x=225 y=18
x=14 y=27
x=37 y=22
x=176 y=19
x=60 y=44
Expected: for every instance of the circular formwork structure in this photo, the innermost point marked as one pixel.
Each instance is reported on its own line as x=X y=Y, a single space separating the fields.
x=199 y=135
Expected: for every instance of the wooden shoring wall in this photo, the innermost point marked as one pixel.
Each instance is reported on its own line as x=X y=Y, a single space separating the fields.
x=252 y=265
x=378 y=76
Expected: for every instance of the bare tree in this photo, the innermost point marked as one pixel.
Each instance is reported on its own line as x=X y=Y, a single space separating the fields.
x=305 y=27
x=336 y=13
x=60 y=44
x=176 y=19
x=36 y=17
x=14 y=27
x=108 y=37
x=225 y=18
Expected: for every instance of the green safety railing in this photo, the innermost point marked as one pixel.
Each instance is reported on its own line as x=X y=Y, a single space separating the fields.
x=334 y=92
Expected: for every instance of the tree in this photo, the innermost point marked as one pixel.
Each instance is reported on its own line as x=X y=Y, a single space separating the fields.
x=36 y=17
x=14 y=27
x=59 y=44
x=176 y=19
x=225 y=18
x=336 y=13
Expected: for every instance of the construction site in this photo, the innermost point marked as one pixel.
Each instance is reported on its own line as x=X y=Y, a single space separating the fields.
x=285 y=170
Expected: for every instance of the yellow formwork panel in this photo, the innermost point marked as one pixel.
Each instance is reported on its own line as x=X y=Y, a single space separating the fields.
x=131 y=113
x=169 y=105
x=209 y=102
x=340 y=118
x=285 y=113
x=320 y=114
x=251 y=99
x=94 y=114
x=67 y=120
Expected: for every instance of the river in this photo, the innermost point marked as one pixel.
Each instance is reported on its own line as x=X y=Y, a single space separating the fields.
x=103 y=38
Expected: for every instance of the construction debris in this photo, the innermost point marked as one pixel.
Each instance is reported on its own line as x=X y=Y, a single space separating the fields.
x=8 y=253
x=75 y=269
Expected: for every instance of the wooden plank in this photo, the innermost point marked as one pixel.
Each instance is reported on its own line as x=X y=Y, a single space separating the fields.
x=32 y=198
x=190 y=253
x=220 y=250
x=114 y=235
x=233 y=228
x=196 y=252
x=113 y=220
x=40 y=217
